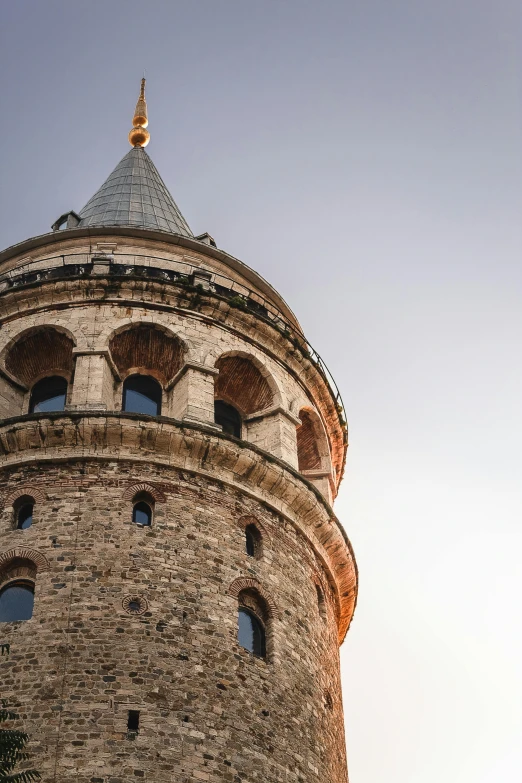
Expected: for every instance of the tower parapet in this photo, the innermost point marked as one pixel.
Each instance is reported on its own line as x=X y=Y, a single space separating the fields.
x=170 y=447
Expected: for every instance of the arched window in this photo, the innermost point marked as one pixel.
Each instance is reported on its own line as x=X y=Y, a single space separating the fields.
x=24 y=515
x=251 y=633
x=142 y=394
x=16 y=601
x=142 y=513
x=49 y=394
x=228 y=417
x=252 y=541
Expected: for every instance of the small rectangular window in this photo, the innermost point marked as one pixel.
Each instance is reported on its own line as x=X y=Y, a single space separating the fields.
x=133 y=721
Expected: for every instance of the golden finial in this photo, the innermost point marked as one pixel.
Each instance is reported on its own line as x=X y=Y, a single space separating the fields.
x=139 y=136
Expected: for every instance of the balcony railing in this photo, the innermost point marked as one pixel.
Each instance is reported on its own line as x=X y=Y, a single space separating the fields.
x=82 y=265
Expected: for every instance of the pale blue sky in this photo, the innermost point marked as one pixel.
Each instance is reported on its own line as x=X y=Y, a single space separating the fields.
x=365 y=157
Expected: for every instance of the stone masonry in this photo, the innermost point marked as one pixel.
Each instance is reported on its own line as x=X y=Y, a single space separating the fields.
x=144 y=619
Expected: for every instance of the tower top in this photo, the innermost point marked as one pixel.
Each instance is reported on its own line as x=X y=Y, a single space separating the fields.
x=138 y=135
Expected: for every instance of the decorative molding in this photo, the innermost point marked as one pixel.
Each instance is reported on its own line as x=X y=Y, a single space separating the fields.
x=246 y=583
x=135 y=489
x=272 y=411
x=129 y=600
x=24 y=553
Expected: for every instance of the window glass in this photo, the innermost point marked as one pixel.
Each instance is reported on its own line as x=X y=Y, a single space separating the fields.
x=250 y=633
x=142 y=394
x=24 y=517
x=228 y=417
x=142 y=513
x=49 y=394
x=16 y=602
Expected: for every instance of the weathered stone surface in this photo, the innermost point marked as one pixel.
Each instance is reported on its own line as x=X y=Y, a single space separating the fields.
x=131 y=618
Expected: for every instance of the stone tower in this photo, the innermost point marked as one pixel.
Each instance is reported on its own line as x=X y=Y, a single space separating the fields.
x=174 y=585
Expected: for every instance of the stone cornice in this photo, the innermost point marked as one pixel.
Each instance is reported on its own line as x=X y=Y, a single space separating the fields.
x=201 y=450
x=272 y=412
x=35 y=243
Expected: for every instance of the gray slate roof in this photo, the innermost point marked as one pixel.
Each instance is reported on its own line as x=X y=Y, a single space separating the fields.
x=135 y=195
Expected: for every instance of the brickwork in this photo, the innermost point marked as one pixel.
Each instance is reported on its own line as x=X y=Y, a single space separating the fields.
x=145 y=619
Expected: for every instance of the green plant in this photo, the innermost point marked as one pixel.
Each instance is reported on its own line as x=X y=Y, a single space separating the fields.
x=237 y=301
x=12 y=750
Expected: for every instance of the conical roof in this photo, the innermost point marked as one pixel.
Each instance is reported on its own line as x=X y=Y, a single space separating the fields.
x=135 y=195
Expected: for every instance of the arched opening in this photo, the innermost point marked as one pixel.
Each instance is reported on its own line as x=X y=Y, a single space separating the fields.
x=142 y=514
x=253 y=622
x=142 y=510
x=228 y=417
x=308 y=454
x=251 y=633
x=16 y=601
x=17 y=580
x=142 y=394
x=252 y=541
x=23 y=512
x=48 y=394
x=148 y=350
x=241 y=384
x=43 y=352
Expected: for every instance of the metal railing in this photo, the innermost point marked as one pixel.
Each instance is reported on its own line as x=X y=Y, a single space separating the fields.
x=179 y=273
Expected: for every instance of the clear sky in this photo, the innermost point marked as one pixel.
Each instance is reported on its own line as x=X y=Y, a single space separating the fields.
x=365 y=157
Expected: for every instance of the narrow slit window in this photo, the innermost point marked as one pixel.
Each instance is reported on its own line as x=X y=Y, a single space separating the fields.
x=250 y=542
x=133 y=721
x=253 y=541
x=24 y=516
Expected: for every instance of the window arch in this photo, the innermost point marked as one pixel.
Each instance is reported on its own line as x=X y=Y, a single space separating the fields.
x=142 y=394
x=251 y=632
x=48 y=394
x=245 y=383
x=40 y=352
x=228 y=417
x=308 y=444
x=142 y=510
x=149 y=349
x=17 y=590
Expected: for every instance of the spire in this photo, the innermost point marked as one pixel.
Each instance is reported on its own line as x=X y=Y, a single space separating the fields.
x=134 y=194
x=138 y=136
